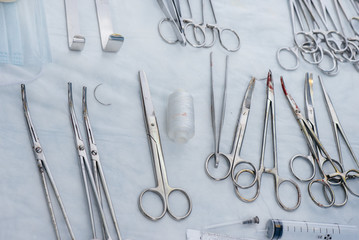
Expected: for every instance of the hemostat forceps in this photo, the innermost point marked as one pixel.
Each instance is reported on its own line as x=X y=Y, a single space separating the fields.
x=44 y=170
x=337 y=127
x=86 y=169
x=233 y=158
x=257 y=173
x=338 y=178
x=163 y=190
x=310 y=114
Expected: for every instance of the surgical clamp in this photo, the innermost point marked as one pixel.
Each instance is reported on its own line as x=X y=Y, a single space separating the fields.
x=95 y=178
x=44 y=170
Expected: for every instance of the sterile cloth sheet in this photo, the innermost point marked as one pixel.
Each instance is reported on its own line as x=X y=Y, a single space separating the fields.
x=119 y=130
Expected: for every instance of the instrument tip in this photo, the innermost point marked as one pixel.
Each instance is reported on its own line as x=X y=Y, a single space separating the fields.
x=283 y=85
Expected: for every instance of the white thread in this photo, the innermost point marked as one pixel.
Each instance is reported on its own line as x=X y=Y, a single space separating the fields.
x=180 y=116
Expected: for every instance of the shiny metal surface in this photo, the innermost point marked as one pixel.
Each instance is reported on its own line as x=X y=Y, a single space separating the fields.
x=110 y=41
x=76 y=41
x=257 y=173
x=162 y=189
x=45 y=171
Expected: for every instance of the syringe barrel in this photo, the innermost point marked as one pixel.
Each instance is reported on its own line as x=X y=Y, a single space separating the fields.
x=298 y=230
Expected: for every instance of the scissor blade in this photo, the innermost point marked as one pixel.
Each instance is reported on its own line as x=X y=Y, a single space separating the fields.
x=270 y=86
x=146 y=96
x=248 y=95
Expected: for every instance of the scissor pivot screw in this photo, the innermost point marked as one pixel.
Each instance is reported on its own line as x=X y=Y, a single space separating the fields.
x=38 y=149
x=93 y=152
x=81 y=147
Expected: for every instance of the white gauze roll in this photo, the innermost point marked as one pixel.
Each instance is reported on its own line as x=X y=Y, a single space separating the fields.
x=180 y=116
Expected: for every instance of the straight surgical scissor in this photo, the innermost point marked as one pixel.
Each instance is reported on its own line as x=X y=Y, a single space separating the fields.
x=233 y=158
x=45 y=170
x=96 y=178
x=163 y=190
x=338 y=177
x=257 y=173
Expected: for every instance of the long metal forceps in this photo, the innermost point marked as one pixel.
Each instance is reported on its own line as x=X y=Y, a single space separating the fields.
x=44 y=170
x=310 y=115
x=337 y=127
x=257 y=173
x=98 y=173
x=233 y=159
x=162 y=189
x=110 y=41
x=86 y=171
x=217 y=137
x=75 y=40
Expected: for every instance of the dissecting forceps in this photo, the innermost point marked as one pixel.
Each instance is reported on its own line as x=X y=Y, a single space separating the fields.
x=338 y=178
x=44 y=170
x=234 y=158
x=75 y=40
x=97 y=176
x=217 y=138
x=257 y=173
x=162 y=189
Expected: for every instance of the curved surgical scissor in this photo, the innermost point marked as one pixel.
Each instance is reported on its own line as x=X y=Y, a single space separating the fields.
x=163 y=190
x=338 y=178
x=233 y=158
x=257 y=173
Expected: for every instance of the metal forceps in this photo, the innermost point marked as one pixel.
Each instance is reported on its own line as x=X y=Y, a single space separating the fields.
x=338 y=178
x=86 y=169
x=45 y=170
x=337 y=127
x=233 y=158
x=173 y=14
x=217 y=138
x=310 y=115
x=257 y=173
x=220 y=30
x=163 y=190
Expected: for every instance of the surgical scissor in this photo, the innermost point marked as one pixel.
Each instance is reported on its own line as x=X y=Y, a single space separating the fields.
x=162 y=189
x=257 y=173
x=233 y=158
x=87 y=174
x=45 y=170
x=338 y=178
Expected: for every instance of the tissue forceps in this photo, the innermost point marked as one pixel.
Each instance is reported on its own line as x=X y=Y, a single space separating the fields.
x=217 y=140
x=44 y=170
x=257 y=173
x=338 y=178
x=163 y=190
x=86 y=171
x=233 y=158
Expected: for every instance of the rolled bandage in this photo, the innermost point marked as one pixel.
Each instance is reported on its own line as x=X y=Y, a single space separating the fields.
x=180 y=116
